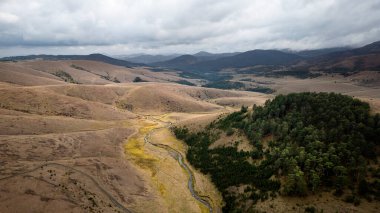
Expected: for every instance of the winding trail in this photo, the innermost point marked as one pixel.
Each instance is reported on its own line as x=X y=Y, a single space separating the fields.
x=177 y=156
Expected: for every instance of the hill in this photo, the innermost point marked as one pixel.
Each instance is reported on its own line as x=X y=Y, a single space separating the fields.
x=178 y=62
x=91 y=57
x=52 y=72
x=246 y=59
x=339 y=60
x=303 y=144
x=319 y=52
x=256 y=57
x=206 y=56
x=358 y=59
x=148 y=59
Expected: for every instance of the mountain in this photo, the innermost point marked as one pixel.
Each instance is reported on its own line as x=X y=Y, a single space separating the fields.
x=91 y=57
x=363 y=58
x=246 y=59
x=205 y=56
x=257 y=57
x=339 y=59
x=178 y=62
x=373 y=48
x=148 y=59
x=319 y=52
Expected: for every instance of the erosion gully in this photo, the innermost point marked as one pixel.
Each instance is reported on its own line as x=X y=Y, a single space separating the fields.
x=177 y=156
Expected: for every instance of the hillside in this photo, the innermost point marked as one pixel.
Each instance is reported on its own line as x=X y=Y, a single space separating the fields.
x=246 y=59
x=147 y=59
x=358 y=59
x=91 y=57
x=179 y=62
x=84 y=147
x=269 y=62
x=51 y=72
x=303 y=144
x=319 y=52
x=82 y=118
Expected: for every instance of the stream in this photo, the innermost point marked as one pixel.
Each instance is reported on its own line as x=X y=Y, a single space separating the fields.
x=178 y=156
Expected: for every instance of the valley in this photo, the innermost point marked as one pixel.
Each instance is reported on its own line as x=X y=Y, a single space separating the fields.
x=95 y=134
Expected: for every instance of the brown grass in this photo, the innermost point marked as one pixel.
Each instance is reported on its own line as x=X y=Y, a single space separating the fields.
x=99 y=130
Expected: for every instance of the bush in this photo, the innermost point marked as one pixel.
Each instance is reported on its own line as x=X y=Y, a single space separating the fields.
x=352 y=199
x=230 y=132
x=138 y=79
x=363 y=188
x=310 y=209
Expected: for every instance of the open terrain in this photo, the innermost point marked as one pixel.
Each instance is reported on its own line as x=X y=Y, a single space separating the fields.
x=364 y=85
x=70 y=147
x=40 y=72
x=81 y=136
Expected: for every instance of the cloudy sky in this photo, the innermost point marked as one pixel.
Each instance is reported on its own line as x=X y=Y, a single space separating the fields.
x=183 y=26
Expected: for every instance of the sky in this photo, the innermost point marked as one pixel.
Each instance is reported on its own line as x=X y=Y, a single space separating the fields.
x=123 y=27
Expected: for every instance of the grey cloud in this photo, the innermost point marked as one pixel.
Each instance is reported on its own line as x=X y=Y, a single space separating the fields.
x=166 y=26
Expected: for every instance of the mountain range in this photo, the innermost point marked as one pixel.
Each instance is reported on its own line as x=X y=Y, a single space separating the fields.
x=331 y=59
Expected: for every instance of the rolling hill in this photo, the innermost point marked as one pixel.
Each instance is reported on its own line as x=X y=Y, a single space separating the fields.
x=147 y=59
x=246 y=59
x=50 y=72
x=91 y=57
x=178 y=62
x=340 y=59
x=358 y=59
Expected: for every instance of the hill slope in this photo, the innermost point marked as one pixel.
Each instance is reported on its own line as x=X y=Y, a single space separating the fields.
x=303 y=143
x=91 y=57
x=246 y=59
x=148 y=59
x=178 y=62
x=363 y=58
x=48 y=72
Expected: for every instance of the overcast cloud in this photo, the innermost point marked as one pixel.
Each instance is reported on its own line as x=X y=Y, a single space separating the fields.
x=183 y=26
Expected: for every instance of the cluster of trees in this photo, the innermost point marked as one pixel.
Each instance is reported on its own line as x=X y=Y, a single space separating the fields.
x=78 y=67
x=238 y=86
x=261 y=89
x=225 y=85
x=65 y=76
x=138 y=79
x=184 y=82
x=320 y=140
x=302 y=74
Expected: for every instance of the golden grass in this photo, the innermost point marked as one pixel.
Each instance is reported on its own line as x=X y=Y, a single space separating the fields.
x=166 y=175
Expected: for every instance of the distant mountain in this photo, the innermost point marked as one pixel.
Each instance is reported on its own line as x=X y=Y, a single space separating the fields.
x=91 y=57
x=148 y=59
x=319 y=52
x=363 y=58
x=205 y=56
x=373 y=48
x=246 y=59
x=257 y=57
x=153 y=59
x=178 y=62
